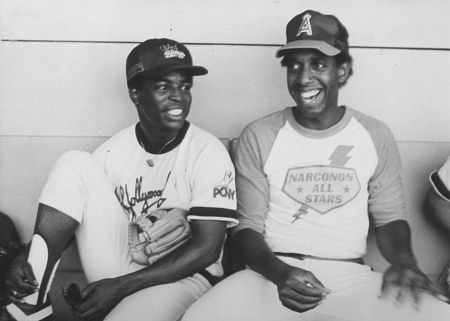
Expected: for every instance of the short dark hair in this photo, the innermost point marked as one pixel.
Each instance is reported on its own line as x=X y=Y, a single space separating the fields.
x=345 y=57
x=136 y=83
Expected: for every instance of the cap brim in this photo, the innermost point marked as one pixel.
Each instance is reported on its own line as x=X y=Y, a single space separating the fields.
x=189 y=69
x=158 y=72
x=322 y=46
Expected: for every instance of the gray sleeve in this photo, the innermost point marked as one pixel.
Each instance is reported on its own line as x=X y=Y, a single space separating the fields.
x=252 y=187
x=386 y=194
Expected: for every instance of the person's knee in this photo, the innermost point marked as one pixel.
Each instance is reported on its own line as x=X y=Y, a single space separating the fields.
x=214 y=304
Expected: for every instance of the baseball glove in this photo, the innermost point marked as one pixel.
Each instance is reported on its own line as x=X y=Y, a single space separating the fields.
x=153 y=236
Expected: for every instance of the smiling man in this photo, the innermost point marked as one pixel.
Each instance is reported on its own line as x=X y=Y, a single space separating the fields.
x=161 y=166
x=307 y=179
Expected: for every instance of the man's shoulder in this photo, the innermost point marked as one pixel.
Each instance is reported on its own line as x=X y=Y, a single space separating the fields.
x=380 y=134
x=122 y=138
x=271 y=122
x=125 y=133
x=370 y=123
x=201 y=135
x=200 y=139
x=201 y=148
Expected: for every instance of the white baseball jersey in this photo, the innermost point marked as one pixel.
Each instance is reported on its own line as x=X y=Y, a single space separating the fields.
x=310 y=191
x=198 y=173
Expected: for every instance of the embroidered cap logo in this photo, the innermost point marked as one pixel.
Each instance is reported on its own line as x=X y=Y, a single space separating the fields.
x=171 y=51
x=305 y=26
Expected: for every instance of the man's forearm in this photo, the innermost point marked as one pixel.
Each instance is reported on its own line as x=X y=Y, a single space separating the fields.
x=394 y=242
x=255 y=252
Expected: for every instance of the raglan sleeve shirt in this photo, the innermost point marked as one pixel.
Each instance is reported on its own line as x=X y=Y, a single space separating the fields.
x=251 y=180
x=384 y=187
x=386 y=197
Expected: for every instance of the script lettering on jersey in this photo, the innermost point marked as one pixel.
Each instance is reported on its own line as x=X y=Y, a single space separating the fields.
x=142 y=201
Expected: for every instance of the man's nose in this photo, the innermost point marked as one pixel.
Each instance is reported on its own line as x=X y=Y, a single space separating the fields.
x=304 y=76
x=176 y=94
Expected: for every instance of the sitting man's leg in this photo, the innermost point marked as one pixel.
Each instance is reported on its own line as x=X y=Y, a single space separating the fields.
x=102 y=239
x=165 y=302
x=76 y=183
x=79 y=199
x=246 y=295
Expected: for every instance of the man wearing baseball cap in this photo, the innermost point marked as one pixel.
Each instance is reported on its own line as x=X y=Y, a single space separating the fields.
x=162 y=164
x=307 y=179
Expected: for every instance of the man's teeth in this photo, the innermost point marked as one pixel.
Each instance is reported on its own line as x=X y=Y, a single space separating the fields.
x=175 y=112
x=310 y=94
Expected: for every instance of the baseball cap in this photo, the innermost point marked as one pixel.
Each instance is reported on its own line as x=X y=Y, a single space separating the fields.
x=156 y=57
x=314 y=30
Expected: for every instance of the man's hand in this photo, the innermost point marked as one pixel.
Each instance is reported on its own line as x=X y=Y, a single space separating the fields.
x=20 y=280
x=299 y=290
x=99 y=298
x=407 y=280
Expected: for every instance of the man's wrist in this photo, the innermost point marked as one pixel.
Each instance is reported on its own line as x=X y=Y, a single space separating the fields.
x=124 y=286
x=275 y=269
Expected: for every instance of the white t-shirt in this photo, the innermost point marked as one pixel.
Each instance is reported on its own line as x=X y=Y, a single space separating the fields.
x=310 y=191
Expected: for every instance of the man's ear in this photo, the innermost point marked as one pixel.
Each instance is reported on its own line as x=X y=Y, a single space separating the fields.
x=343 y=72
x=135 y=95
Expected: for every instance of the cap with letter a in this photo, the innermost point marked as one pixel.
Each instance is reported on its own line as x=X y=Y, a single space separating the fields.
x=314 y=30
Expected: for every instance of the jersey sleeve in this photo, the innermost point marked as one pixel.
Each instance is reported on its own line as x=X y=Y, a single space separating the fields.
x=251 y=183
x=440 y=181
x=213 y=186
x=65 y=189
x=386 y=197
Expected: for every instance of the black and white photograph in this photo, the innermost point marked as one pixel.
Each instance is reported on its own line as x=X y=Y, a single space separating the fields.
x=240 y=160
